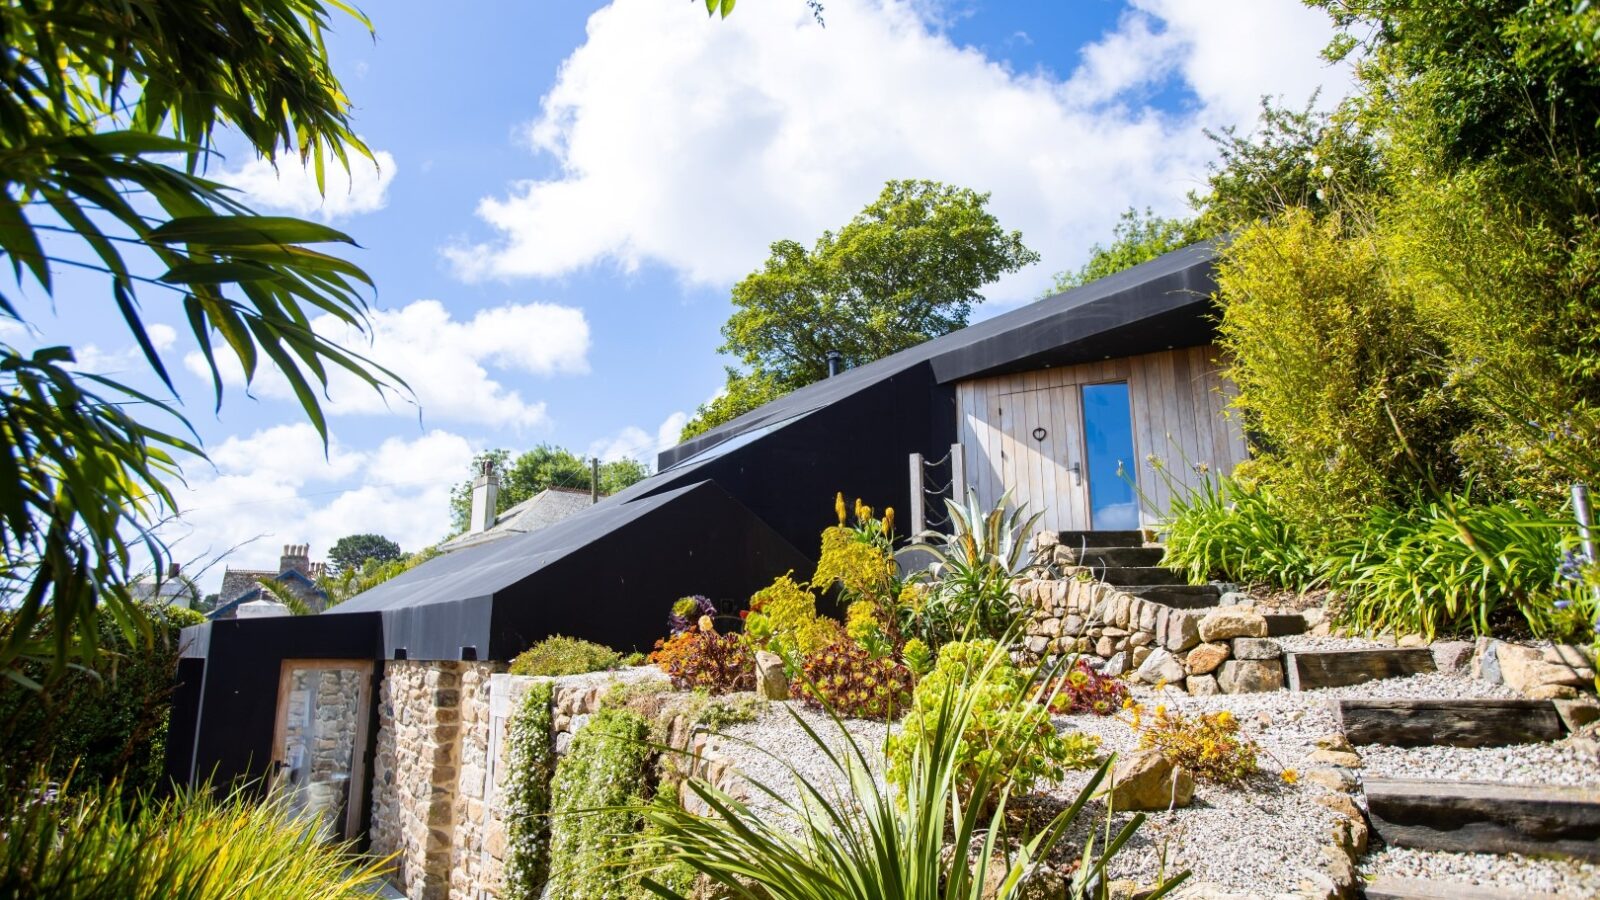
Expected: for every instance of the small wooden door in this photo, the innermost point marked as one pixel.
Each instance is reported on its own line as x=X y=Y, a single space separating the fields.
x=1042 y=454
x=320 y=742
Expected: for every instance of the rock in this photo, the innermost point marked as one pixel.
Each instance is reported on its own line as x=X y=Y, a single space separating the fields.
x=1072 y=625
x=1116 y=665
x=1205 y=658
x=1141 y=639
x=1453 y=657
x=1349 y=834
x=1552 y=692
x=1411 y=640
x=1344 y=759
x=1050 y=627
x=1314 y=616
x=1256 y=648
x=1341 y=804
x=1577 y=713
x=1183 y=630
x=772 y=684
x=1250 y=676
x=1337 y=865
x=1105 y=647
x=1334 y=779
x=1160 y=665
x=1140 y=654
x=1570 y=655
x=1145 y=780
x=1036 y=645
x=1486 y=661
x=1044 y=540
x=1337 y=742
x=1202 y=685
x=1230 y=622
x=1524 y=668
x=1236 y=598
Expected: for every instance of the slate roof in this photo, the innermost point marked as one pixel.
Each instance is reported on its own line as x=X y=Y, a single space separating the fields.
x=543 y=509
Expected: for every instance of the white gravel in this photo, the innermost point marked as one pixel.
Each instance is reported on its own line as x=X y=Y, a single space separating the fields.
x=1555 y=764
x=1513 y=874
x=775 y=749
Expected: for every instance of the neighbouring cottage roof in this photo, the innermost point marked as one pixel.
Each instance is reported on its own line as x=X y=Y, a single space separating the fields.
x=543 y=509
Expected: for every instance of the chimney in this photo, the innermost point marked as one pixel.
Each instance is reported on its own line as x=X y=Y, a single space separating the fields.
x=485 y=491
x=835 y=362
x=296 y=557
x=173 y=570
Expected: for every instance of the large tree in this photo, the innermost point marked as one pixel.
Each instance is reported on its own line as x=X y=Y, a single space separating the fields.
x=907 y=268
x=1137 y=237
x=107 y=111
x=545 y=466
x=352 y=551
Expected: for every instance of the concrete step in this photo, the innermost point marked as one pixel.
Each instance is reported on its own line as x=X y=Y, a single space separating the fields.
x=1450 y=723
x=1177 y=596
x=1101 y=538
x=1145 y=576
x=1340 y=668
x=1477 y=817
x=1106 y=557
x=1386 y=888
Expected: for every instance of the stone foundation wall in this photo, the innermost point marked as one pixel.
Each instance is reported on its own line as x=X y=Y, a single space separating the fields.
x=1219 y=649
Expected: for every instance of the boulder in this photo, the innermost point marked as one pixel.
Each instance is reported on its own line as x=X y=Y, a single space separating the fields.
x=1202 y=685
x=1577 y=713
x=1226 y=622
x=1250 y=676
x=1256 y=648
x=1525 y=668
x=1183 y=630
x=1138 y=656
x=1205 y=658
x=1160 y=665
x=1146 y=780
x=1452 y=657
x=1116 y=665
x=772 y=684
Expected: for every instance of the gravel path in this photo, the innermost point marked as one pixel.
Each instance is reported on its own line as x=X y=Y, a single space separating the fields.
x=1514 y=875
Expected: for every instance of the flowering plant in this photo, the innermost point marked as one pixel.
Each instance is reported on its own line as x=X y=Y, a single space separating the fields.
x=1083 y=690
x=702 y=658
x=853 y=683
x=1209 y=745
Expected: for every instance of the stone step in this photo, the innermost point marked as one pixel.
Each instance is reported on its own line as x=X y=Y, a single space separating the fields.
x=1386 y=888
x=1475 y=817
x=1451 y=723
x=1106 y=557
x=1340 y=668
x=1076 y=539
x=1177 y=596
x=1143 y=576
x=1285 y=624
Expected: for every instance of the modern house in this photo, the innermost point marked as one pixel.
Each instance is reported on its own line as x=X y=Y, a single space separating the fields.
x=1065 y=402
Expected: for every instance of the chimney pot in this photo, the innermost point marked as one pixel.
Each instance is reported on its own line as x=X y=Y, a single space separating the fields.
x=485 y=493
x=173 y=569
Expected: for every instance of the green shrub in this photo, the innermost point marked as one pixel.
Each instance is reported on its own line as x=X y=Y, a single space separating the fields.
x=847 y=679
x=597 y=790
x=1224 y=530
x=1005 y=726
x=101 y=724
x=530 y=767
x=1451 y=566
x=555 y=656
x=102 y=842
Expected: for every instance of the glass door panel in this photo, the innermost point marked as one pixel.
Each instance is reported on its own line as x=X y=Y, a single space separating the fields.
x=1108 y=448
x=321 y=733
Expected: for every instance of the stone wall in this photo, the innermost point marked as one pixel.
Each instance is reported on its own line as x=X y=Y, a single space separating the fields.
x=1219 y=649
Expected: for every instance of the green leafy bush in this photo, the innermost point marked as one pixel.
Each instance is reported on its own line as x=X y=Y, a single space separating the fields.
x=594 y=822
x=1005 y=727
x=555 y=656
x=530 y=766
x=104 y=723
x=912 y=841
x=1227 y=531
x=1451 y=566
x=974 y=571
x=103 y=842
x=849 y=680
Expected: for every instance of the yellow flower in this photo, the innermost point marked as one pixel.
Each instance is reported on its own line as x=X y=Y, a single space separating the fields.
x=838 y=506
x=1224 y=718
x=1161 y=684
x=888 y=520
x=1127 y=703
x=706 y=624
x=1161 y=712
x=1289 y=776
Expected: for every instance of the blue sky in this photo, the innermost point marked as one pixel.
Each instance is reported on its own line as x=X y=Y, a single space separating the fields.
x=568 y=189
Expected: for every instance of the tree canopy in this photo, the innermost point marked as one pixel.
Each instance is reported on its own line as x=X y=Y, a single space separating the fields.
x=106 y=113
x=907 y=268
x=1137 y=237
x=545 y=466
x=352 y=552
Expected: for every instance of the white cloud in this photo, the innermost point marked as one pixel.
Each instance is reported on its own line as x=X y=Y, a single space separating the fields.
x=276 y=487
x=98 y=361
x=639 y=444
x=694 y=144
x=292 y=187
x=445 y=361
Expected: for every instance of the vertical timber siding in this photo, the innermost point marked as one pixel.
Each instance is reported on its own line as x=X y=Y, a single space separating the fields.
x=1179 y=400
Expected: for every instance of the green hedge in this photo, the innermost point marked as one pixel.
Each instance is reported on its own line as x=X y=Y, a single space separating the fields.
x=592 y=835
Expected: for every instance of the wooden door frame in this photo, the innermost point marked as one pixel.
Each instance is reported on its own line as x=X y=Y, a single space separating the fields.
x=356 y=798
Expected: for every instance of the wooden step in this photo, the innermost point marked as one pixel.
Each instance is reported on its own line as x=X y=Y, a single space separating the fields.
x=1144 y=576
x=1451 y=723
x=1285 y=624
x=1340 y=668
x=1475 y=817
x=1101 y=538
x=1106 y=557
x=1177 y=596
x=1386 y=888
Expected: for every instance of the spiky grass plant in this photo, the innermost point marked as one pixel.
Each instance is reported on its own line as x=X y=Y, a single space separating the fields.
x=974 y=567
x=62 y=841
x=925 y=841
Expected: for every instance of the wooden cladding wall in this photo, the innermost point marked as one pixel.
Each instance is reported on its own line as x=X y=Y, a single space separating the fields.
x=1178 y=399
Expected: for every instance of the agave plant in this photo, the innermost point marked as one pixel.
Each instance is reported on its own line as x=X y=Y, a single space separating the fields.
x=924 y=841
x=973 y=571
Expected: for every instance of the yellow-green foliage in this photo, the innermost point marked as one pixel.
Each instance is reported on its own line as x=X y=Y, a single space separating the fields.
x=1329 y=358
x=527 y=793
x=860 y=567
x=1004 y=732
x=591 y=832
x=558 y=655
x=93 y=843
x=1209 y=745
x=784 y=617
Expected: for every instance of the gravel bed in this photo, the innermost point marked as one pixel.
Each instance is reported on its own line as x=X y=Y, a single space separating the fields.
x=1513 y=874
x=774 y=749
x=1554 y=764
x=1302 y=643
